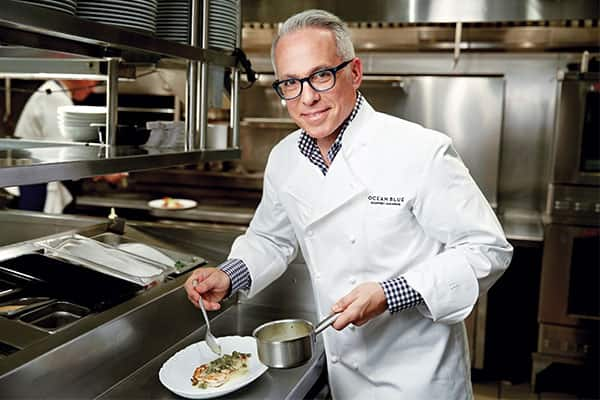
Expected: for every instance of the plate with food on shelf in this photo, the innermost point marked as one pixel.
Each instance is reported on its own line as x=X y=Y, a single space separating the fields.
x=197 y=373
x=170 y=203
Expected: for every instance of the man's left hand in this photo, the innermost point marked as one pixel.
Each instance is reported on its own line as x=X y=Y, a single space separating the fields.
x=364 y=302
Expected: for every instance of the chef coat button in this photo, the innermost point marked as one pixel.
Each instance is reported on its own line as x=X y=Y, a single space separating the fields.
x=355 y=365
x=309 y=233
x=317 y=276
x=334 y=359
x=352 y=239
x=352 y=280
x=352 y=327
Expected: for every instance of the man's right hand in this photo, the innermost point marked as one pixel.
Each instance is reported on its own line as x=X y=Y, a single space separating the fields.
x=211 y=284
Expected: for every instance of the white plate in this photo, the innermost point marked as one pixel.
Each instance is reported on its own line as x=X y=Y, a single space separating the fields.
x=185 y=204
x=176 y=373
x=122 y=18
x=83 y=109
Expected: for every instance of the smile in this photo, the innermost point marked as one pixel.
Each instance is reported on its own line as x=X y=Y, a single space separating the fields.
x=316 y=115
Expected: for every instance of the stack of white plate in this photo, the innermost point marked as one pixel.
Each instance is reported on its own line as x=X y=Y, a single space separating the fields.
x=65 y=6
x=74 y=122
x=138 y=15
x=173 y=20
x=223 y=24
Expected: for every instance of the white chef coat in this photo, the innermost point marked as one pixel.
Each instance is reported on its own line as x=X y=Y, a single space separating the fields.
x=39 y=121
x=397 y=200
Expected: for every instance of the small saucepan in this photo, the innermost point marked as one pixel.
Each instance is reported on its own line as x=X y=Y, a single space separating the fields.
x=288 y=343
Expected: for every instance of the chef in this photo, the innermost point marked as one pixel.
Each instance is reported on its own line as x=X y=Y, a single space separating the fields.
x=39 y=121
x=397 y=237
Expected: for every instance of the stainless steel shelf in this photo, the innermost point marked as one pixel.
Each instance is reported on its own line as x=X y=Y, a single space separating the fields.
x=37 y=27
x=98 y=50
x=28 y=162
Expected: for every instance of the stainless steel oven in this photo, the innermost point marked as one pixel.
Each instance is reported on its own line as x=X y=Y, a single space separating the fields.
x=576 y=158
x=569 y=302
x=571 y=275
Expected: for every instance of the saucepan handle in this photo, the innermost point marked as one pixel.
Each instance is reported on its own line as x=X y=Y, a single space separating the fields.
x=326 y=322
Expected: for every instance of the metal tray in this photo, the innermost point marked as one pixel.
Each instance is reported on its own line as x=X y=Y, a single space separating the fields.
x=107 y=259
x=181 y=262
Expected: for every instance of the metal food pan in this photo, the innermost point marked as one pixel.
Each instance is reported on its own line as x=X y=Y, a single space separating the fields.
x=55 y=316
x=69 y=282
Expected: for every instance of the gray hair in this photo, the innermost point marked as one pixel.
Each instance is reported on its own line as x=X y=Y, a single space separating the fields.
x=317 y=19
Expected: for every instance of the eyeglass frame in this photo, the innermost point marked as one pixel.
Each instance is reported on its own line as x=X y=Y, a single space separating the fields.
x=333 y=70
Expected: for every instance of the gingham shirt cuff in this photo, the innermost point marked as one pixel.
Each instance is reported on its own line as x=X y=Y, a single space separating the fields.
x=238 y=274
x=400 y=295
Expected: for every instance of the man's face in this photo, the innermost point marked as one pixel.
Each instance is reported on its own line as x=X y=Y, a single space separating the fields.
x=81 y=89
x=303 y=52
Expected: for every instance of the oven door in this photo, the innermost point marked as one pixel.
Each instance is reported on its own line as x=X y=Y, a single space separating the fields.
x=570 y=275
x=577 y=146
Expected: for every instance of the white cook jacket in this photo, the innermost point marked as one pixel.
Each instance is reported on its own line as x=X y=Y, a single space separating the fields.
x=397 y=200
x=39 y=121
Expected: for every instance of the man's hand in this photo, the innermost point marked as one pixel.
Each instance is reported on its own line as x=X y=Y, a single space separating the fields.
x=112 y=178
x=364 y=302
x=210 y=283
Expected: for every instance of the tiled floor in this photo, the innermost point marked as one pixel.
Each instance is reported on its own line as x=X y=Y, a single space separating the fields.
x=495 y=390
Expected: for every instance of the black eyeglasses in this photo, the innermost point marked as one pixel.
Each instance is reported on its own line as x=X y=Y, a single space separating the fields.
x=321 y=81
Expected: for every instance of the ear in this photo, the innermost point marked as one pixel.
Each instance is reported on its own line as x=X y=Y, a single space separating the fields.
x=357 y=72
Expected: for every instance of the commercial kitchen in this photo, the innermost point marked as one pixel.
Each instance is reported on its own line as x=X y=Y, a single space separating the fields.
x=183 y=113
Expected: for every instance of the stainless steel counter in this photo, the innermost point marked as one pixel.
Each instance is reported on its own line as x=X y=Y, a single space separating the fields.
x=520 y=226
x=203 y=212
x=117 y=353
x=240 y=320
x=523 y=227
x=19 y=226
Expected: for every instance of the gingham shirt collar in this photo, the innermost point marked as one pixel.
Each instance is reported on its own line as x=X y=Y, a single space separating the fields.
x=309 y=148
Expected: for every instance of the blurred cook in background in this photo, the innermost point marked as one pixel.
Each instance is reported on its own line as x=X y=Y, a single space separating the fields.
x=39 y=121
x=39 y=117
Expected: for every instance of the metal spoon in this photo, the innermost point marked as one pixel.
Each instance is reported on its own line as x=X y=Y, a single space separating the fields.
x=211 y=341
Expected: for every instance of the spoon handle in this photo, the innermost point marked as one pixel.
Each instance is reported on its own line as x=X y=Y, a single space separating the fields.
x=201 y=304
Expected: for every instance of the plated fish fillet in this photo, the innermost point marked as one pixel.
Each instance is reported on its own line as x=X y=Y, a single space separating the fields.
x=219 y=371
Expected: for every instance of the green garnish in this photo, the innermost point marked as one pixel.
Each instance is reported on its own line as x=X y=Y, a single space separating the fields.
x=179 y=264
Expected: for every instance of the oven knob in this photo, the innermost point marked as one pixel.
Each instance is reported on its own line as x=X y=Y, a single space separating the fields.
x=562 y=204
x=581 y=206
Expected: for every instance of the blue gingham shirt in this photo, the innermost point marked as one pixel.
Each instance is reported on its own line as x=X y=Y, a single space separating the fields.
x=399 y=295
